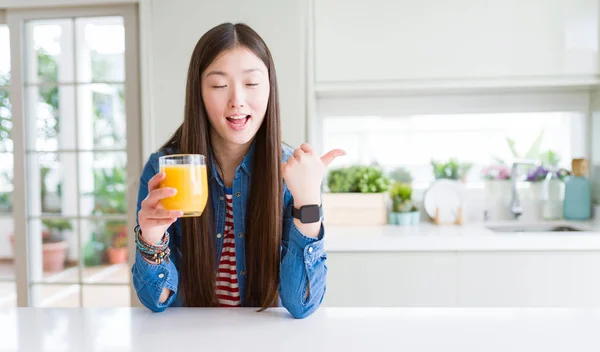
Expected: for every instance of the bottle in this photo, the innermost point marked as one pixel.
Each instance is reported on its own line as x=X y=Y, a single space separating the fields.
x=552 y=196
x=578 y=193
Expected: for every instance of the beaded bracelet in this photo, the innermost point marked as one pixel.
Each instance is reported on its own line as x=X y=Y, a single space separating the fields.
x=155 y=253
x=158 y=257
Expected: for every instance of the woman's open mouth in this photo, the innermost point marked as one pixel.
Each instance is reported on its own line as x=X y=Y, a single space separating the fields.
x=238 y=122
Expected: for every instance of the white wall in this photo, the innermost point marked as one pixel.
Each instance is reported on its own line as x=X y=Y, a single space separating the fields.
x=169 y=34
x=594 y=137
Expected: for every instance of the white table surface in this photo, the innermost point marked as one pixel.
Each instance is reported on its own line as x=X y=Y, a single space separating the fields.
x=329 y=329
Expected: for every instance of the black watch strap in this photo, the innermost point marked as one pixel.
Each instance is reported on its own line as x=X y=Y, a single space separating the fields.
x=308 y=213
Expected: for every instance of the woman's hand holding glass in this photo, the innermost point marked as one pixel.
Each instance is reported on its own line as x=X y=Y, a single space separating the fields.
x=180 y=189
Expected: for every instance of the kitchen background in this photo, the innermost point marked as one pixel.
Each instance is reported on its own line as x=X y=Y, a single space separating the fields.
x=415 y=92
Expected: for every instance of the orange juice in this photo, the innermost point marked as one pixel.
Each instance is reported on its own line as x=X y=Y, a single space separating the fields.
x=192 y=188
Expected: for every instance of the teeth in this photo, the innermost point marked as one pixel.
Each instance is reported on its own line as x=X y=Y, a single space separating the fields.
x=238 y=117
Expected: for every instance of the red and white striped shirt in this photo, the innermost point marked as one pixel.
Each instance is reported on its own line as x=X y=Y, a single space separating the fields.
x=228 y=292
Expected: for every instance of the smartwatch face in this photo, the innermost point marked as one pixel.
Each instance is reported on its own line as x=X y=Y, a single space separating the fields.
x=311 y=213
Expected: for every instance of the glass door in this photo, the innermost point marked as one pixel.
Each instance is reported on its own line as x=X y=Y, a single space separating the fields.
x=79 y=94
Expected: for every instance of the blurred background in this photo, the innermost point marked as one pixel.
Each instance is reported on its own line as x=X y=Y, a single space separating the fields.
x=415 y=92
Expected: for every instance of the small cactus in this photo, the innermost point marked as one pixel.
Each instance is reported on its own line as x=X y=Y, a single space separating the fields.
x=401 y=195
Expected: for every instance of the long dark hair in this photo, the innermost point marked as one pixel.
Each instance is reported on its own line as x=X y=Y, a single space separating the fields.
x=264 y=212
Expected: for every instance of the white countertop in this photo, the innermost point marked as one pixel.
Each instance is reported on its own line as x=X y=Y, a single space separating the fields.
x=329 y=329
x=468 y=237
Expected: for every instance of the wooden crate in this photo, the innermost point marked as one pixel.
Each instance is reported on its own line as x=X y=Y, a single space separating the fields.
x=355 y=208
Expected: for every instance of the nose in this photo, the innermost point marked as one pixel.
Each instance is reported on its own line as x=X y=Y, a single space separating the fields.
x=237 y=98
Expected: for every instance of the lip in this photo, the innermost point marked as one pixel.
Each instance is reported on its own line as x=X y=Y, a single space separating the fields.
x=237 y=115
x=238 y=126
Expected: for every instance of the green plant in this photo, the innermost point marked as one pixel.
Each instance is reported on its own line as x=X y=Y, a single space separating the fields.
x=6 y=197
x=451 y=169
x=110 y=197
x=47 y=68
x=5 y=202
x=341 y=180
x=357 y=179
x=400 y=174
x=534 y=149
x=120 y=240
x=401 y=195
x=110 y=191
x=55 y=228
x=5 y=108
x=548 y=158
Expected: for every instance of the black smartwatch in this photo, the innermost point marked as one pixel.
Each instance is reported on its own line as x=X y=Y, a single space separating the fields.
x=308 y=213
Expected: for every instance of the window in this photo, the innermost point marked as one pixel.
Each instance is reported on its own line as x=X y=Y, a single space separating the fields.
x=80 y=92
x=474 y=140
x=477 y=128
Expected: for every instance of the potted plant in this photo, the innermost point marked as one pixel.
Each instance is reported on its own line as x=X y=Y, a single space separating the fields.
x=404 y=212
x=546 y=183
x=110 y=198
x=54 y=245
x=357 y=195
x=497 y=181
x=535 y=178
x=450 y=170
x=117 y=251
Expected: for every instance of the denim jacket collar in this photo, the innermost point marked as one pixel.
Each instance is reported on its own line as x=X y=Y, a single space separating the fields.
x=246 y=165
x=248 y=161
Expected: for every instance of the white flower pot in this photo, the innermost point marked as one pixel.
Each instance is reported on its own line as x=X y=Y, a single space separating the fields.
x=496 y=190
x=497 y=199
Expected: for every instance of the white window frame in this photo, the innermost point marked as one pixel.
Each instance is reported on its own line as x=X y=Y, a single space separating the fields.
x=16 y=20
x=2 y=23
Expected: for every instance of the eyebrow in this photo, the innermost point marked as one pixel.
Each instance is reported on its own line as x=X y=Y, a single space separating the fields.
x=221 y=73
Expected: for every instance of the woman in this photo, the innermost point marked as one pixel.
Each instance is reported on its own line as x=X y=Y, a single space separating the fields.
x=259 y=242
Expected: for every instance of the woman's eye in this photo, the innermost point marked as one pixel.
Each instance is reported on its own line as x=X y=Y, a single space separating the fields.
x=252 y=84
x=220 y=86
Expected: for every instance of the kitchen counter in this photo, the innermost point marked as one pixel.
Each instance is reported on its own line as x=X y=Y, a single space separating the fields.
x=469 y=237
x=463 y=266
x=329 y=329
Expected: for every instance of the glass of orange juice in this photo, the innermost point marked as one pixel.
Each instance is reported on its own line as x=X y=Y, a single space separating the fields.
x=187 y=174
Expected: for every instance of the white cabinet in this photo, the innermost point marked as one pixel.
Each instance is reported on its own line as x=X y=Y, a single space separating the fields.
x=529 y=279
x=463 y=279
x=389 y=279
x=436 y=40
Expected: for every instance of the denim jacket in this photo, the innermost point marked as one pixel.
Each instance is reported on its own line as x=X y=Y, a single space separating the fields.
x=303 y=259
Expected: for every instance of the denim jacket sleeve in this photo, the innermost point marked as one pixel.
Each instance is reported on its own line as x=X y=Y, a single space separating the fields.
x=149 y=280
x=303 y=267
